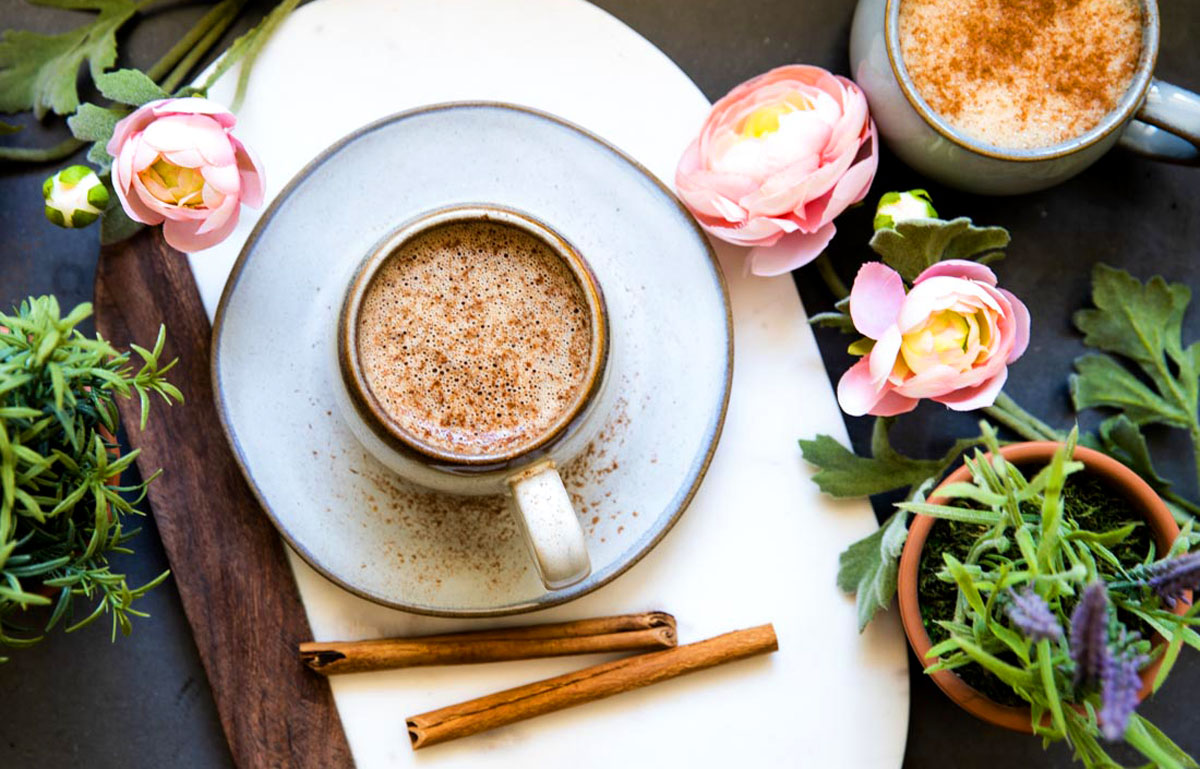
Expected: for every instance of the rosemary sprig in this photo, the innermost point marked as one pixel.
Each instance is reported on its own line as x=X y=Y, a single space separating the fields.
x=62 y=510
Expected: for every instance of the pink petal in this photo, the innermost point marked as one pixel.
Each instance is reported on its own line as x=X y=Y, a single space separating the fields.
x=790 y=251
x=876 y=298
x=135 y=208
x=211 y=197
x=186 y=158
x=942 y=292
x=756 y=232
x=193 y=105
x=786 y=189
x=131 y=124
x=185 y=236
x=936 y=380
x=855 y=121
x=184 y=132
x=851 y=187
x=959 y=268
x=857 y=392
x=161 y=209
x=253 y=177
x=980 y=396
x=219 y=216
x=122 y=167
x=893 y=403
x=1021 y=322
x=225 y=179
x=143 y=156
x=883 y=355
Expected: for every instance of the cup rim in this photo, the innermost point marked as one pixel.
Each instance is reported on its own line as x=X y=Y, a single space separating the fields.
x=363 y=399
x=1116 y=118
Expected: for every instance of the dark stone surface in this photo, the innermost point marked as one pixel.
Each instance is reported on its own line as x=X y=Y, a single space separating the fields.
x=79 y=701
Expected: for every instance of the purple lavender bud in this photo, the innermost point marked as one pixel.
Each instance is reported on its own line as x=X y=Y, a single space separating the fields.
x=1171 y=578
x=1120 y=684
x=1032 y=616
x=1089 y=633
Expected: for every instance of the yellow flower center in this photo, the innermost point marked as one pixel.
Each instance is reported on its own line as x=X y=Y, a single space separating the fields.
x=174 y=184
x=946 y=338
x=765 y=119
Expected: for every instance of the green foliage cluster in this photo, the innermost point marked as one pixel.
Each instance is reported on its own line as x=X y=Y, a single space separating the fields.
x=1028 y=541
x=62 y=510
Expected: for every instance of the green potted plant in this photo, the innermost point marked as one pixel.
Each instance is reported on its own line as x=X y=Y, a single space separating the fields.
x=1048 y=589
x=62 y=508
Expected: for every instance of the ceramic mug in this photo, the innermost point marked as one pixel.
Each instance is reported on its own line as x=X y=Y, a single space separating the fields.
x=1153 y=118
x=528 y=476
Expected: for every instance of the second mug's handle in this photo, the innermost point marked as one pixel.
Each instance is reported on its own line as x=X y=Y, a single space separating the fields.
x=1167 y=126
x=543 y=509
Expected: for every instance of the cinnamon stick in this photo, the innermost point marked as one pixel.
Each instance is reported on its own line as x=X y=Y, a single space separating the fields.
x=627 y=632
x=585 y=685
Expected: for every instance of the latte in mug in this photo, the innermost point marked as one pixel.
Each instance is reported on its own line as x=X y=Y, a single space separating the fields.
x=475 y=338
x=1021 y=74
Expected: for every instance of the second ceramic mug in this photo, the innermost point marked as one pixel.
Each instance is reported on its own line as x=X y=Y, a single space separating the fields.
x=529 y=477
x=1153 y=118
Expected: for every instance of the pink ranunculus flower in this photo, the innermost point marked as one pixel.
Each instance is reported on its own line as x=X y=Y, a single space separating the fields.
x=777 y=159
x=176 y=162
x=950 y=339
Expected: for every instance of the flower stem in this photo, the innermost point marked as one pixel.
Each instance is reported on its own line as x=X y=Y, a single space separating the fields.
x=1033 y=425
x=830 y=276
x=225 y=12
x=1182 y=502
x=63 y=149
x=1013 y=423
x=1195 y=433
x=164 y=65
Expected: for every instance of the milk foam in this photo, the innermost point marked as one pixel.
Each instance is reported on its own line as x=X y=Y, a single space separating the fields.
x=475 y=337
x=1021 y=73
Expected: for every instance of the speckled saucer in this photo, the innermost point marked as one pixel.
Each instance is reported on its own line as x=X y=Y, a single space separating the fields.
x=351 y=518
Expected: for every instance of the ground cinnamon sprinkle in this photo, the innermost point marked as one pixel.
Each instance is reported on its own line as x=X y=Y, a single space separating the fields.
x=1021 y=73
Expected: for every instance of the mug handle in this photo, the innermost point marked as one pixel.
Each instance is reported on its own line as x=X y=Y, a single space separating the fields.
x=1167 y=126
x=544 y=511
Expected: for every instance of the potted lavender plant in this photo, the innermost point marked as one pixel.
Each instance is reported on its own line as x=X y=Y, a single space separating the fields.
x=1048 y=590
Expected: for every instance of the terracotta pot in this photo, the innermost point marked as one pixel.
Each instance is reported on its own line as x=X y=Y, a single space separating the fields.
x=1121 y=479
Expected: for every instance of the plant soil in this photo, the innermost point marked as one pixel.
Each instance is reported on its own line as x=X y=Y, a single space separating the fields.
x=1088 y=501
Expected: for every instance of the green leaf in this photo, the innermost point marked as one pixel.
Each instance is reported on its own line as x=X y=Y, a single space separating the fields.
x=116 y=225
x=1009 y=674
x=1156 y=746
x=8 y=128
x=1122 y=440
x=1136 y=320
x=838 y=320
x=843 y=473
x=1142 y=323
x=868 y=567
x=951 y=513
x=39 y=72
x=129 y=86
x=94 y=124
x=915 y=245
x=1049 y=686
x=966 y=584
x=1102 y=382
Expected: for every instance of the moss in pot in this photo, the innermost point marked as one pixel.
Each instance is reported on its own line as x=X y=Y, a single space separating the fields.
x=1050 y=595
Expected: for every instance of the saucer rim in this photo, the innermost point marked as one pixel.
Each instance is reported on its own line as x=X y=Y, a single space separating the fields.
x=696 y=472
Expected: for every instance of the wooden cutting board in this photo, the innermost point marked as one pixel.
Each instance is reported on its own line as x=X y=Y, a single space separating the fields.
x=226 y=559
